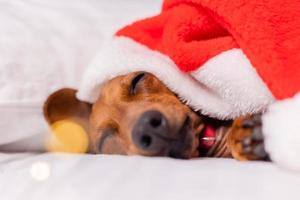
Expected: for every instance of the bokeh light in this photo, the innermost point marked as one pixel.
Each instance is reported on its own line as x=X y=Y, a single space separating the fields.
x=68 y=136
x=40 y=171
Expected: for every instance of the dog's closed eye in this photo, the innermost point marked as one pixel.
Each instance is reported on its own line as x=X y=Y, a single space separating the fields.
x=134 y=83
x=110 y=143
x=107 y=134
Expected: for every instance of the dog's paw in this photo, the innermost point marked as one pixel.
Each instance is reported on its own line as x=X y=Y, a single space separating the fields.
x=253 y=144
x=247 y=139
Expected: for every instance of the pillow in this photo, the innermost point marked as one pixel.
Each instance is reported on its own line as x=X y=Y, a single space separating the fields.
x=46 y=45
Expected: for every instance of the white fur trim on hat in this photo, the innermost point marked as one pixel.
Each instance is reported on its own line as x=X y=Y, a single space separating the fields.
x=281 y=128
x=225 y=87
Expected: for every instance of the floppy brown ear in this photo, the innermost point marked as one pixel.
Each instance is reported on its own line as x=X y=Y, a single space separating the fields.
x=63 y=104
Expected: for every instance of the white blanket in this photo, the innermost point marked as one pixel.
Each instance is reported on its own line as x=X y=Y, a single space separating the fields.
x=46 y=45
x=75 y=177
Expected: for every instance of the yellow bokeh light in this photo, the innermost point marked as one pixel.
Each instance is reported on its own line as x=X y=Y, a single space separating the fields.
x=68 y=136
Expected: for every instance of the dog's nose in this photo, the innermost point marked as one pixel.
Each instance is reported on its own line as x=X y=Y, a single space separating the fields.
x=150 y=132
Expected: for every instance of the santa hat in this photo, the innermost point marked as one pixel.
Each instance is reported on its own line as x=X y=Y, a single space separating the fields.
x=224 y=58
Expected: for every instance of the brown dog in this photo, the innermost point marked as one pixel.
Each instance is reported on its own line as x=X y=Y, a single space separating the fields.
x=136 y=114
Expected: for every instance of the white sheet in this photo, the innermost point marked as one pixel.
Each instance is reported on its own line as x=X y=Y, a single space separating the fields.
x=46 y=45
x=82 y=177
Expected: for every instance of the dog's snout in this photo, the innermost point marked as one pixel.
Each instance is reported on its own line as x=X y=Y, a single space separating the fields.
x=155 y=122
x=150 y=131
x=153 y=134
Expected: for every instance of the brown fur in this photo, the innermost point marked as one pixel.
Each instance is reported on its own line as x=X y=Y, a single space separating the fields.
x=116 y=110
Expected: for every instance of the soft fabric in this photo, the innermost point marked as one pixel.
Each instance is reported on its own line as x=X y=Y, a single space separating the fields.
x=221 y=92
x=78 y=177
x=281 y=125
x=223 y=58
x=191 y=32
x=44 y=46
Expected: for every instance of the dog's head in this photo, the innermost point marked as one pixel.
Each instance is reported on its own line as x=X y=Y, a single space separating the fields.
x=135 y=114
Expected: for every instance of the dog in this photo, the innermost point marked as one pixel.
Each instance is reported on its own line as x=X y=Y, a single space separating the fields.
x=136 y=114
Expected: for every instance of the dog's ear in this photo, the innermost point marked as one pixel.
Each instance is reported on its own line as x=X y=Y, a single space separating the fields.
x=63 y=104
x=69 y=121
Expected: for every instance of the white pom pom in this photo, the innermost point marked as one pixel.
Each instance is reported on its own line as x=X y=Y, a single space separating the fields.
x=281 y=127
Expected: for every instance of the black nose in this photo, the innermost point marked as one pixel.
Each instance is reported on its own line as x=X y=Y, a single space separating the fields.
x=150 y=132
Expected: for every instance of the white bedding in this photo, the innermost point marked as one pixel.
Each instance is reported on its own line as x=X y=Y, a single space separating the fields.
x=117 y=177
x=46 y=45
x=42 y=36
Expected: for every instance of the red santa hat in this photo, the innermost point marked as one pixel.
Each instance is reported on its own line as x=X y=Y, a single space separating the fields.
x=224 y=58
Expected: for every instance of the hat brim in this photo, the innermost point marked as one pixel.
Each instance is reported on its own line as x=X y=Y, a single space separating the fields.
x=225 y=87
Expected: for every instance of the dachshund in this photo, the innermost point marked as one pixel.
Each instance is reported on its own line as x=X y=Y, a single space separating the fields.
x=136 y=114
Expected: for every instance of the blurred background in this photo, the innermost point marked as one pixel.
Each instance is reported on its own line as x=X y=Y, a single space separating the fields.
x=46 y=45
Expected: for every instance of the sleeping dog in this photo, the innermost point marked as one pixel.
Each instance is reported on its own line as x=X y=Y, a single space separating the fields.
x=136 y=114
